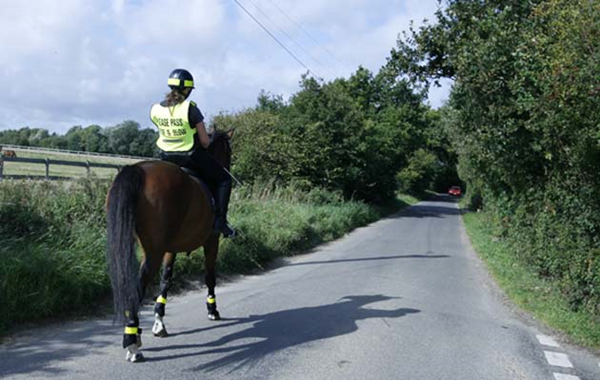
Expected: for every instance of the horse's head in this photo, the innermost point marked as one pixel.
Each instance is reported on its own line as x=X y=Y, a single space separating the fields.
x=219 y=146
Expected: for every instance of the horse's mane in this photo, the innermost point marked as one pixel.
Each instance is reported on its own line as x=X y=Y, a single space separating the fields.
x=216 y=136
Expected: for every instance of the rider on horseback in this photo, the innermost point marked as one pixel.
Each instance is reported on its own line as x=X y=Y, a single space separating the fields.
x=183 y=140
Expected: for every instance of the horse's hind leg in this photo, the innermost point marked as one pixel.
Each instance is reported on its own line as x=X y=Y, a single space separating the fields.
x=132 y=339
x=159 y=328
x=211 y=248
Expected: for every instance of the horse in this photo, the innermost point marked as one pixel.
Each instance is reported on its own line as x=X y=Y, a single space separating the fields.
x=9 y=154
x=167 y=211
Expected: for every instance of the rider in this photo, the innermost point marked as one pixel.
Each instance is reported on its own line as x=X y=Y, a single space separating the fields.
x=183 y=140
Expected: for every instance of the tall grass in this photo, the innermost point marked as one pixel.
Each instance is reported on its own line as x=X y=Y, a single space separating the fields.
x=53 y=240
x=520 y=280
x=51 y=248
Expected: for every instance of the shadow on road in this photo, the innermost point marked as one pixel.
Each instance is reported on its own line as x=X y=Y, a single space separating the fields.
x=281 y=330
x=438 y=207
x=42 y=353
x=444 y=198
x=360 y=259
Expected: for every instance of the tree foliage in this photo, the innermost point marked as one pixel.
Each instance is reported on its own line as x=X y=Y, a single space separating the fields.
x=126 y=138
x=523 y=120
x=348 y=135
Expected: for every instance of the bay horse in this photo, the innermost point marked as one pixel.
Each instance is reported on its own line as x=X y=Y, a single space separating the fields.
x=167 y=211
x=9 y=154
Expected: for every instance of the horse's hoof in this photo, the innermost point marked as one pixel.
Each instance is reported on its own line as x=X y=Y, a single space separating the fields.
x=133 y=354
x=161 y=332
x=134 y=358
x=214 y=316
x=159 y=329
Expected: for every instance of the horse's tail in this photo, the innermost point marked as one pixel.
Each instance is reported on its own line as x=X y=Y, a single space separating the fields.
x=121 y=253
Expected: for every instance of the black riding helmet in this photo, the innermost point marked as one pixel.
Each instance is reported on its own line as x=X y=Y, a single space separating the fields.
x=180 y=79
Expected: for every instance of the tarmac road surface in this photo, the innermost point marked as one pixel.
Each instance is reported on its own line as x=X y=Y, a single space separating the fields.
x=403 y=298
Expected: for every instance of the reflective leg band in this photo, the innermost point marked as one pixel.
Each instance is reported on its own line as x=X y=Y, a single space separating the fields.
x=162 y=300
x=131 y=330
x=211 y=299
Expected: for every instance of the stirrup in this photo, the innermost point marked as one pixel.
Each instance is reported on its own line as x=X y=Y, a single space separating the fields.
x=222 y=227
x=227 y=231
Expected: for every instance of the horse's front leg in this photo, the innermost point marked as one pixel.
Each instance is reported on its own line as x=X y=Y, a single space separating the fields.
x=159 y=329
x=211 y=248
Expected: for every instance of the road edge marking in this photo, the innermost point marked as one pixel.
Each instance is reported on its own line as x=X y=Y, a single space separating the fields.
x=558 y=359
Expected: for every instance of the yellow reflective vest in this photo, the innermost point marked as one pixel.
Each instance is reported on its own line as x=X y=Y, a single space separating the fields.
x=175 y=132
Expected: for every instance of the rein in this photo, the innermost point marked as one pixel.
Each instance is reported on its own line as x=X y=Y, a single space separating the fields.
x=214 y=138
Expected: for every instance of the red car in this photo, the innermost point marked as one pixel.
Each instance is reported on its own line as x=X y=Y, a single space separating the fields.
x=454 y=190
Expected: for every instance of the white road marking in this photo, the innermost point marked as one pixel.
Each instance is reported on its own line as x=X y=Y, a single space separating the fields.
x=562 y=376
x=547 y=340
x=558 y=359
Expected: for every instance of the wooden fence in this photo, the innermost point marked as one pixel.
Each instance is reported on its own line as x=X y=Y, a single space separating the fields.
x=46 y=161
x=70 y=152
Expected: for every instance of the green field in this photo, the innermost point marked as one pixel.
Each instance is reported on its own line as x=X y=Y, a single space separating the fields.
x=35 y=169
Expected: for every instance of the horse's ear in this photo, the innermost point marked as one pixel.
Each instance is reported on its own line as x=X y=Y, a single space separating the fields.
x=229 y=133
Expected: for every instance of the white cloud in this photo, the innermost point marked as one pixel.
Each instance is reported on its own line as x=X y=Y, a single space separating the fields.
x=101 y=62
x=174 y=24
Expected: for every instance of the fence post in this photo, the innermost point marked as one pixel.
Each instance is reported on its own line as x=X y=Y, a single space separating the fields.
x=87 y=166
x=47 y=168
x=1 y=163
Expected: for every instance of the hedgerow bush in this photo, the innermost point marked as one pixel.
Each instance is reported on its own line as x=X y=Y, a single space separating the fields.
x=52 y=244
x=523 y=118
x=557 y=237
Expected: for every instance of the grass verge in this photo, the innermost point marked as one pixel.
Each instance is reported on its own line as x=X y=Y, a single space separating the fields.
x=538 y=296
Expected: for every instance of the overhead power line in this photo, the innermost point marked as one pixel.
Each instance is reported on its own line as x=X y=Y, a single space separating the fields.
x=275 y=38
x=290 y=37
x=306 y=32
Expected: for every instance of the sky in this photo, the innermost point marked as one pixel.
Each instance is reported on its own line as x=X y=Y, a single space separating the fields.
x=83 y=62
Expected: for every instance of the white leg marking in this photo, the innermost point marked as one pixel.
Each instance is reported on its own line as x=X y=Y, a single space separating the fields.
x=558 y=359
x=159 y=329
x=133 y=354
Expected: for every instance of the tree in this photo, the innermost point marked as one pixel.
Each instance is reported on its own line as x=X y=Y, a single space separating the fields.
x=269 y=102
x=121 y=136
x=94 y=140
x=75 y=139
x=523 y=120
x=144 y=144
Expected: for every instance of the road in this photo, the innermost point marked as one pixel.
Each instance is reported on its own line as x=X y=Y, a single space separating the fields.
x=403 y=298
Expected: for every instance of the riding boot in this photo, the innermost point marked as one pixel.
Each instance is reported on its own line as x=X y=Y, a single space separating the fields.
x=222 y=204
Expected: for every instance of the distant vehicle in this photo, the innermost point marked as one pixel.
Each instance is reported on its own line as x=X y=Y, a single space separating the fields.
x=455 y=190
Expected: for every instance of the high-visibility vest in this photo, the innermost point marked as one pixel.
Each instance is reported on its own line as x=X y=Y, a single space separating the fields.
x=175 y=132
